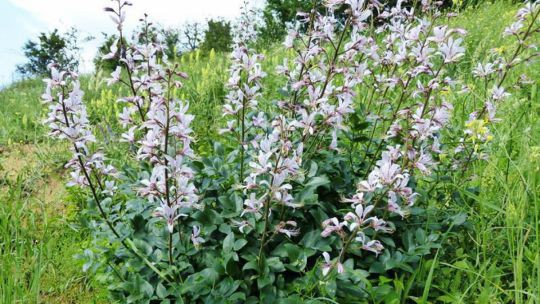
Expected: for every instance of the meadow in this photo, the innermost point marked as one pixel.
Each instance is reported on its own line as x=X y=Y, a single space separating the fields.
x=495 y=259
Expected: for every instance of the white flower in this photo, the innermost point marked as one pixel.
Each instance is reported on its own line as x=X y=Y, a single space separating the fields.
x=110 y=188
x=387 y=172
x=252 y=204
x=357 y=198
x=380 y=225
x=334 y=143
x=169 y=213
x=514 y=28
x=196 y=239
x=394 y=207
x=359 y=218
x=241 y=225
x=327 y=266
x=374 y=246
x=452 y=50
x=115 y=76
x=369 y=185
x=498 y=93
x=129 y=136
x=424 y=162
x=125 y=116
x=439 y=34
x=112 y=53
x=330 y=226
x=230 y=127
x=289 y=39
x=288 y=228
x=483 y=70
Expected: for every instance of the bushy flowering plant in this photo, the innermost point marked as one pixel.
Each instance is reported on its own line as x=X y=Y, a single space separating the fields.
x=315 y=194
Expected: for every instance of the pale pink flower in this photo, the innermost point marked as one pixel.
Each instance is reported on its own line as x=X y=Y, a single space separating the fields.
x=288 y=228
x=330 y=226
x=327 y=265
x=452 y=50
x=196 y=239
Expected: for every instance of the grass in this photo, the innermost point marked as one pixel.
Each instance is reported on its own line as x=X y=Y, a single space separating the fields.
x=21 y=113
x=38 y=231
x=497 y=260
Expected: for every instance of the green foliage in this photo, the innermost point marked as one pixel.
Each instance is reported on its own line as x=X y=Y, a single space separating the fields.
x=273 y=30
x=171 y=39
x=217 y=37
x=56 y=47
x=489 y=256
x=277 y=14
x=286 y=10
x=228 y=269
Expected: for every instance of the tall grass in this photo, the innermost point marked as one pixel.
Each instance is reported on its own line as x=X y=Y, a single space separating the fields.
x=21 y=263
x=20 y=113
x=38 y=231
x=498 y=259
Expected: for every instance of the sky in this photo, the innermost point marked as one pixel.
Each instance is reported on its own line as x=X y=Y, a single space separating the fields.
x=21 y=20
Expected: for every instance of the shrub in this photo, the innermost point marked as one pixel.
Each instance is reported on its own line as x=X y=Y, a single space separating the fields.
x=320 y=195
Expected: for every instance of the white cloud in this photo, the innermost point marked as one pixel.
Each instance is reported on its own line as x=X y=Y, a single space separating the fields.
x=88 y=15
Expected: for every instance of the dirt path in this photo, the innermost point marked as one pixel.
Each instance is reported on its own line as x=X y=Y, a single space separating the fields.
x=41 y=177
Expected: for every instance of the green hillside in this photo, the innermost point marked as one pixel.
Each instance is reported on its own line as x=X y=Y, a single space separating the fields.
x=495 y=260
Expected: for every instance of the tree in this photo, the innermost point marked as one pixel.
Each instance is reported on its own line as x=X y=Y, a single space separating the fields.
x=286 y=10
x=171 y=42
x=276 y=15
x=273 y=29
x=56 y=47
x=217 y=36
x=193 y=35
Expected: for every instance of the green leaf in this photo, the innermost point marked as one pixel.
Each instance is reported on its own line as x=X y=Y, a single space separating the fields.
x=237 y=297
x=265 y=281
x=225 y=228
x=313 y=240
x=313 y=168
x=239 y=244
x=146 y=288
x=360 y=126
x=210 y=275
x=228 y=243
x=459 y=219
x=251 y=265
x=143 y=247
x=228 y=286
x=161 y=291
x=331 y=287
x=218 y=148
x=318 y=181
x=275 y=264
x=138 y=223
x=231 y=267
x=289 y=251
